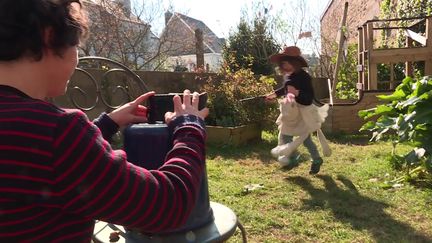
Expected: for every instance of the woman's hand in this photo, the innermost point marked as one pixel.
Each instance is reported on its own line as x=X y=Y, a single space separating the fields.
x=189 y=107
x=132 y=112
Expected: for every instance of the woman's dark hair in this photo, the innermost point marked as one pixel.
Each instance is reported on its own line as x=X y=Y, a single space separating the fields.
x=25 y=25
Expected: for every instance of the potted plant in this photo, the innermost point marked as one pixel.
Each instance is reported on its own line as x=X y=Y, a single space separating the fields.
x=231 y=120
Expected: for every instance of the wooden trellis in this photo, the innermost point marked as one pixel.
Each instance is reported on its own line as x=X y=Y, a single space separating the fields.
x=369 y=57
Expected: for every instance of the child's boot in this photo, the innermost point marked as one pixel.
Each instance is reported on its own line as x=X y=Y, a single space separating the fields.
x=289 y=163
x=315 y=166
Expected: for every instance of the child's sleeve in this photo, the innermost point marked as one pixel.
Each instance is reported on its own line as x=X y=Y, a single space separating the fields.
x=306 y=92
x=280 y=91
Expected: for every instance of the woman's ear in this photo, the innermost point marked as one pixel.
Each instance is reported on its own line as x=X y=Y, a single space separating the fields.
x=48 y=35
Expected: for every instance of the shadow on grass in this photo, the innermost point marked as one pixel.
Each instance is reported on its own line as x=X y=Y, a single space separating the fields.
x=340 y=138
x=259 y=150
x=361 y=212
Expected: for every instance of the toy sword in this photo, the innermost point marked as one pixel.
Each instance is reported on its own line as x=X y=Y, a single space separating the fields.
x=253 y=98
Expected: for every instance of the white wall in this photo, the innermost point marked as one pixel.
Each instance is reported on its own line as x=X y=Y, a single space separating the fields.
x=189 y=61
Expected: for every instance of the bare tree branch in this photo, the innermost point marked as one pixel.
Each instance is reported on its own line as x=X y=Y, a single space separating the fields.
x=123 y=32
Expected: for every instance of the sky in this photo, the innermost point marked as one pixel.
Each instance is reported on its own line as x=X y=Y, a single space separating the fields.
x=223 y=15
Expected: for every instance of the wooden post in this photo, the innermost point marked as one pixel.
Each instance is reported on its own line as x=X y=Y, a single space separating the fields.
x=372 y=66
x=392 y=76
x=428 y=63
x=360 y=67
x=365 y=56
x=409 y=70
x=373 y=76
x=340 y=49
x=199 y=49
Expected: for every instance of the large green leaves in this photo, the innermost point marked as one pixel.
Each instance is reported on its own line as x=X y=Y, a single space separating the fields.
x=407 y=113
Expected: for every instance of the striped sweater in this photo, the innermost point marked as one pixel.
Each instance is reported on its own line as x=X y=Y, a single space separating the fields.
x=58 y=174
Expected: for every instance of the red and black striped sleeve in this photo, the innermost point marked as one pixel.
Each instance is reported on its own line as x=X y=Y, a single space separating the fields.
x=94 y=181
x=106 y=126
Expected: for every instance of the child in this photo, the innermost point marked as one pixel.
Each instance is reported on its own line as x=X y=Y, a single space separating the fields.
x=58 y=174
x=299 y=96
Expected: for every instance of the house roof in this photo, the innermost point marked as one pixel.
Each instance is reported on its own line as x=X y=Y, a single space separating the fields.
x=110 y=7
x=330 y=2
x=212 y=43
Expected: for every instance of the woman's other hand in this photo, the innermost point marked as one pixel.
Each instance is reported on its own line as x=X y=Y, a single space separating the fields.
x=132 y=112
x=188 y=107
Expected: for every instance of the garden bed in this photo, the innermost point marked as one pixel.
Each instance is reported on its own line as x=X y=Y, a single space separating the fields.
x=236 y=136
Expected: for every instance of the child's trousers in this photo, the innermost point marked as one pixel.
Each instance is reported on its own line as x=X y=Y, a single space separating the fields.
x=308 y=143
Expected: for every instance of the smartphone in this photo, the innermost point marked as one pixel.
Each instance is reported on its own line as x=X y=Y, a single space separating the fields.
x=159 y=104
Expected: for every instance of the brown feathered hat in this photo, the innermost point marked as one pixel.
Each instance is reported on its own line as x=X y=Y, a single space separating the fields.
x=289 y=53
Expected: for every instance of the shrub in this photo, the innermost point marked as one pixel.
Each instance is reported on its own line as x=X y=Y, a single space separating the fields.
x=347 y=75
x=407 y=118
x=225 y=95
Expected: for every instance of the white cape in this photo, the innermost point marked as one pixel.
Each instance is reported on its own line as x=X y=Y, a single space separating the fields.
x=300 y=120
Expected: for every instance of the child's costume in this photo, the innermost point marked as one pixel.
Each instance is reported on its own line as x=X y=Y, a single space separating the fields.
x=300 y=117
x=299 y=120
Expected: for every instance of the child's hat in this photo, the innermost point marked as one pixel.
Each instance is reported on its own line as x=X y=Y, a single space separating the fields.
x=290 y=52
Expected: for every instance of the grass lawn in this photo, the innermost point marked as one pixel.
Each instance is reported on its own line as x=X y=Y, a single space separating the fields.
x=344 y=203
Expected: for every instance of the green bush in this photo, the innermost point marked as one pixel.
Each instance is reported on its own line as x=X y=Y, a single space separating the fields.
x=406 y=118
x=347 y=75
x=226 y=109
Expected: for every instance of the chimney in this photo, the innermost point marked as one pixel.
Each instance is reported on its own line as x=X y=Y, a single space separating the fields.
x=199 y=48
x=168 y=16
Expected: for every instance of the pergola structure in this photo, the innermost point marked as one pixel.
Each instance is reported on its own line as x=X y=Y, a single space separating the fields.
x=369 y=56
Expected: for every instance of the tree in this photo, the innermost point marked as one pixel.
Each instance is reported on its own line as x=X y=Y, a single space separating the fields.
x=294 y=24
x=250 y=46
x=122 y=32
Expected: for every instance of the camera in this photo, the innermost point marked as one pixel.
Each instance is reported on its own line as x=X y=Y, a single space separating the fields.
x=159 y=104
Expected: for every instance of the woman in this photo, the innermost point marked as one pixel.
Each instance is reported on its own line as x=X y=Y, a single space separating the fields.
x=57 y=171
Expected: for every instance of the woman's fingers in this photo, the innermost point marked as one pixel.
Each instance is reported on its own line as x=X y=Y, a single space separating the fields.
x=139 y=119
x=177 y=104
x=168 y=117
x=189 y=105
x=195 y=100
x=143 y=98
x=187 y=98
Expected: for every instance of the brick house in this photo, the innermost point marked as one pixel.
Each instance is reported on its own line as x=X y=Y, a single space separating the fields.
x=118 y=34
x=178 y=37
x=359 y=11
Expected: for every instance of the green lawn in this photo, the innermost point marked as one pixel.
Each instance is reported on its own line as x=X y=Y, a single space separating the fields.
x=346 y=202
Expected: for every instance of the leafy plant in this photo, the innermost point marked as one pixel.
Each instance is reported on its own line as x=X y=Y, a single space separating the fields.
x=384 y=74
x=347 y=75
x=225 y=96
x=406 y=118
